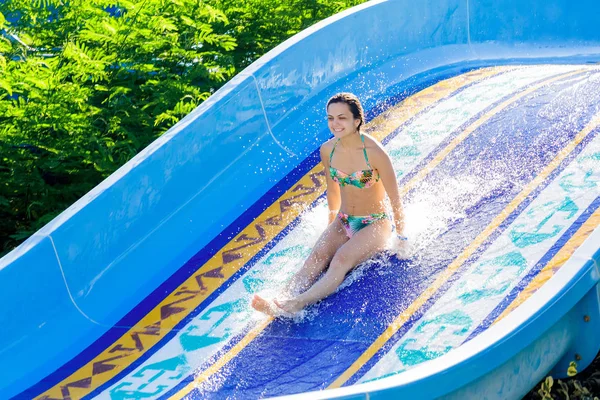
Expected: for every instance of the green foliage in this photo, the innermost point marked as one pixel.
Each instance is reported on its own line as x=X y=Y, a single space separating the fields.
x=585 y=387
x=81 y=91
x=546 y=388
x=570 y=390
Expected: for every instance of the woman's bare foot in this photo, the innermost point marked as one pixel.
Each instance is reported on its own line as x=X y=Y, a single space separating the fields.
x=289 y=306
x=272 y=308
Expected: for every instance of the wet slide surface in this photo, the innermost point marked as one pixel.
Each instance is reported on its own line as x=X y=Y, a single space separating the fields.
x=499 y=171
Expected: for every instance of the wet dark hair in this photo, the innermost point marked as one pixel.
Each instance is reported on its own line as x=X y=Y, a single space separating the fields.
x=353 y=103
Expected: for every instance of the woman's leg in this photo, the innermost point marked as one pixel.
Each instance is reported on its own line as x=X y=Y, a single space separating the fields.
x=328 y=243
x=363 y=245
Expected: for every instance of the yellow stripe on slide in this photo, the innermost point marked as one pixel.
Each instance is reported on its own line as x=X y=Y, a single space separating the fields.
x=470 y=250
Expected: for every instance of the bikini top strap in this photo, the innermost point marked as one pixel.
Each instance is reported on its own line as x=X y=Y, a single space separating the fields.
x=362 y=137
x=332 y=150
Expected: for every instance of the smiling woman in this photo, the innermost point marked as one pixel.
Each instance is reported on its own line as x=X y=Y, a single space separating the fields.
x=362 y=227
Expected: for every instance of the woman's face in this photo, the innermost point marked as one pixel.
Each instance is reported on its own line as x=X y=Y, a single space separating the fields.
x=340 y=120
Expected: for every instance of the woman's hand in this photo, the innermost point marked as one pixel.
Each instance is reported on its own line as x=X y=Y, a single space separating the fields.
x=400 y=246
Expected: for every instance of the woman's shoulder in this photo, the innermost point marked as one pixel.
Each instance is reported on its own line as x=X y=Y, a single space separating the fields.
x=328 y=145
x=373 y=144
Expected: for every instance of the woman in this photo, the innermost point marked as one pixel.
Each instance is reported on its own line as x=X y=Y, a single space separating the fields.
x=359 y=226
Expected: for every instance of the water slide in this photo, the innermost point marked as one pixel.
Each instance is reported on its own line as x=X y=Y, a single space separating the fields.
x=490 y=112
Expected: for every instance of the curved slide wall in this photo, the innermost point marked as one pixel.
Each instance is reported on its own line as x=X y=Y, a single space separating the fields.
x=93 y=272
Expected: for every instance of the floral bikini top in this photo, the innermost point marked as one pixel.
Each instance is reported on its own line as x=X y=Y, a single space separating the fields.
x=361 y=179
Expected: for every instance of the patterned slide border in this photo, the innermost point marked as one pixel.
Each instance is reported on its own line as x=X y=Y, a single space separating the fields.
x=207 y=279
x=423 y=172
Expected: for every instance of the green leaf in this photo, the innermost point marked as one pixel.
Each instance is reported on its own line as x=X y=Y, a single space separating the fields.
x=572 y=370
x=6 y=86
x=126 y=4
x=25 y=38
x=39 y=83
x=564 y=389
x=110 y=28
x=188 y=21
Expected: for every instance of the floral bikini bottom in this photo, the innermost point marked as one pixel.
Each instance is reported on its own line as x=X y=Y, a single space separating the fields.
x=354 y=223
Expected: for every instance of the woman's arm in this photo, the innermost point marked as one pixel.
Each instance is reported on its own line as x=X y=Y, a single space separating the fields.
x=334 y=199
x=384 y=165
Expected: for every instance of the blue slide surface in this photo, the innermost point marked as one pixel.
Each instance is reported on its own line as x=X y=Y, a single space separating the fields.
x=490 y=112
